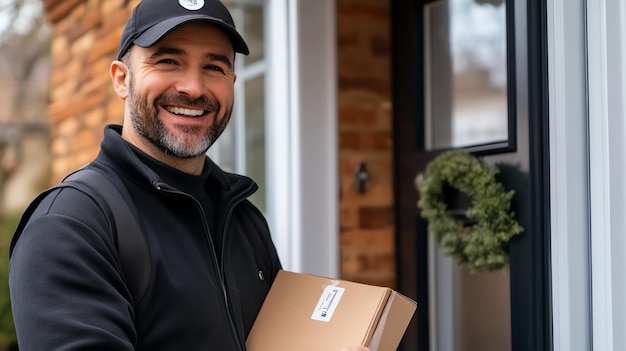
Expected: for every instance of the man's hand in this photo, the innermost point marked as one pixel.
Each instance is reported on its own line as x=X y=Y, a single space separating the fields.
x=355 y=348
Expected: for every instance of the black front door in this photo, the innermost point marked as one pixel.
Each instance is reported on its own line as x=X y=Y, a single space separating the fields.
x=523 y=160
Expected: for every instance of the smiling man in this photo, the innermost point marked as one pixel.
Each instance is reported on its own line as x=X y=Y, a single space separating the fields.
x=210 y=259
x=178 y=94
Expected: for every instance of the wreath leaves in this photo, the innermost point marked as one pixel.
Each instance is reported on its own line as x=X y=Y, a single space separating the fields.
x=482 y=245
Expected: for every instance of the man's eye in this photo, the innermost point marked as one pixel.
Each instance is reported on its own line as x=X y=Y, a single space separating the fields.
x=215 y=68
x=167 y=62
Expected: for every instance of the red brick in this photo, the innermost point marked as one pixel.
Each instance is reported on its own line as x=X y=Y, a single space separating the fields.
x=365 y=141
x=375 y=217
x=357 y=115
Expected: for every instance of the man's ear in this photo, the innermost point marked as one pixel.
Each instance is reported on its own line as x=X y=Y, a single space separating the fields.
x=120 y=76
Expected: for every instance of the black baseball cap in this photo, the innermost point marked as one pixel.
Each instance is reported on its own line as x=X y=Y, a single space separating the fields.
x=152 y=20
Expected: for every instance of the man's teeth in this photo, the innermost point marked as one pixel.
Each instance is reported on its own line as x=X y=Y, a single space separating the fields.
x=184 y=111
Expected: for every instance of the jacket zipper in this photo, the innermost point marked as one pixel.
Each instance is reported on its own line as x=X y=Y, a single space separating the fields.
x=219 y=268
x=234 y=202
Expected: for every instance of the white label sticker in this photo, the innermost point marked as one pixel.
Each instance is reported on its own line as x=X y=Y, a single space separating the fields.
x=191 y=5
x=327 y=303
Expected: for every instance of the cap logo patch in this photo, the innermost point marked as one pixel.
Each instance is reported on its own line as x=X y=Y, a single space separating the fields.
x=191 y=5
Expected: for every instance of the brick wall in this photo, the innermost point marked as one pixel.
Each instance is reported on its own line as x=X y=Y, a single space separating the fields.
x=367 y=228
x=85 y=41
x=82 y=99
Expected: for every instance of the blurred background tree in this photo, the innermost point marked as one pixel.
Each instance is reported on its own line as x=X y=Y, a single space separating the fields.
x=25 y=40
x=7 y=330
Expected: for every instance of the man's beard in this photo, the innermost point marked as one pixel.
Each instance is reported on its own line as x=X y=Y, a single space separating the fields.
x=184 y=141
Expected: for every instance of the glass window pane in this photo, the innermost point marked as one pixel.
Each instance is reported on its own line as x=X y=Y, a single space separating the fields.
x=255 y=136
x=248 y=17
x=224 y=151
x=466 y=73
x=241 y=149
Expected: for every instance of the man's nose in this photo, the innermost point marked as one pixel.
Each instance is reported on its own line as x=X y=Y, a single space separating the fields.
x=192 y=84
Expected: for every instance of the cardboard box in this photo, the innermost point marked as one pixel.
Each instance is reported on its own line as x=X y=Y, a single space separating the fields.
x=307 y=312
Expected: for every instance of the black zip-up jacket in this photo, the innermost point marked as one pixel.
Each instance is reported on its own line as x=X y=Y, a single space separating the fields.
x=212 y=262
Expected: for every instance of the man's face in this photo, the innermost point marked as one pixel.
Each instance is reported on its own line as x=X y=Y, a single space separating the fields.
x=181 y=90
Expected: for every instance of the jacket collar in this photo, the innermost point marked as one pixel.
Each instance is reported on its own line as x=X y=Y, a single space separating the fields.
x=122 y=156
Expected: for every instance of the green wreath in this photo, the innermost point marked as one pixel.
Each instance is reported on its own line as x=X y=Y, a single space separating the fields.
x=482 y=245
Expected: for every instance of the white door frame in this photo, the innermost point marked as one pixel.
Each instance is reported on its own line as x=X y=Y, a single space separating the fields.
x=302 y=134
x=587 y=75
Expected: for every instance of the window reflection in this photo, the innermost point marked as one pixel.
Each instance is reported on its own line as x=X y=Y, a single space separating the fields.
x=241 y=148
x=466 y=73
x=255 y=136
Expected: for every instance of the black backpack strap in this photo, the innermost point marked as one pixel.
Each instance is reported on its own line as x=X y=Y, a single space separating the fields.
x=27 y=214
x=131 y=243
